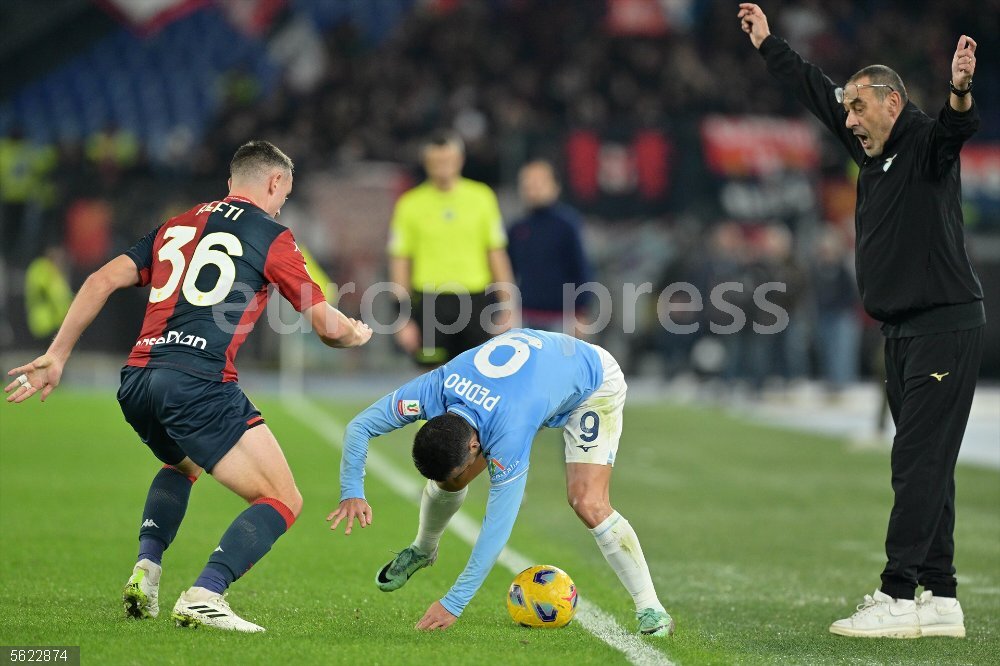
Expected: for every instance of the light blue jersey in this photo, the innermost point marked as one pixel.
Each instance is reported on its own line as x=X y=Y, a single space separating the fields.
x=507 y=389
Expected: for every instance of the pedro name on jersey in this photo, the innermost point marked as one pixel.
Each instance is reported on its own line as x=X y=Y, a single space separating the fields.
x=507 y=389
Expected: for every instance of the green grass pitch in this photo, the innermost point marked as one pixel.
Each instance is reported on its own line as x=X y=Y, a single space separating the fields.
x=757 y=539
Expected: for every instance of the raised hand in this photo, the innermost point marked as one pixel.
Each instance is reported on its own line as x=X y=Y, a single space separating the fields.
x=963 y=63
x=754 y=23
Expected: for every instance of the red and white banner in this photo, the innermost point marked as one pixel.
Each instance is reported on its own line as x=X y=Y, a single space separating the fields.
x=621 y=175
x=648 y=18
x=637 y=17
x=739 y=146
x=148 y=16
x=252 y=17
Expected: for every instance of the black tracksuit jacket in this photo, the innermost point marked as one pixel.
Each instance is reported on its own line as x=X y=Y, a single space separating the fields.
x=913 y=271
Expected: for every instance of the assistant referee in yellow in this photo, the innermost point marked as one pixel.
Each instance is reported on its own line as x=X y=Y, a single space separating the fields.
x=448 y=259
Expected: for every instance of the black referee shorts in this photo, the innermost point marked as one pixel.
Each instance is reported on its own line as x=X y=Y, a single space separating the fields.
x=449 y=324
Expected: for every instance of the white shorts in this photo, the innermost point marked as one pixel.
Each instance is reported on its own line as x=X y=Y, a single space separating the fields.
x=594 y=428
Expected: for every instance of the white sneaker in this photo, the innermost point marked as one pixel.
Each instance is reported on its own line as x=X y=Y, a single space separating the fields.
x=940 y=616
x=881 y=616
x=141 y=593
x=199 y=606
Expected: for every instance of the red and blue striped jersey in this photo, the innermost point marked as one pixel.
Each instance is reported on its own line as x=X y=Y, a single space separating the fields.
x=210 y=270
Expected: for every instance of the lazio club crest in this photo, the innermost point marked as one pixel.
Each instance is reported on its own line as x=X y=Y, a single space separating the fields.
x=495 y=467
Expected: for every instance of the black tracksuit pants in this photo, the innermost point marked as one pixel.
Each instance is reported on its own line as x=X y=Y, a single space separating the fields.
x=930 y=381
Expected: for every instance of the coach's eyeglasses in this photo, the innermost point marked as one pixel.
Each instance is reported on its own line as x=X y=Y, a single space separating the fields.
x=849 y=93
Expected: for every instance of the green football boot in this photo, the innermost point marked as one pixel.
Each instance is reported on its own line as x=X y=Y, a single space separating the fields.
x=654 y=622
x=395 y=574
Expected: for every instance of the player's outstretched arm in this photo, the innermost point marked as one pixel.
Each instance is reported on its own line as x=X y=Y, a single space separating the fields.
x=378 y=419
x=501 y=512
x=43 y=374
x=754 y=23
x=335 y=328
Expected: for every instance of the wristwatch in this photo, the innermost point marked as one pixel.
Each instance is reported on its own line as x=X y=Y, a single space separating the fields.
x=960 y=93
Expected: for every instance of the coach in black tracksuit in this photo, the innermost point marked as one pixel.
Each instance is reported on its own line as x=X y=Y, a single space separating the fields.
x=916 y=278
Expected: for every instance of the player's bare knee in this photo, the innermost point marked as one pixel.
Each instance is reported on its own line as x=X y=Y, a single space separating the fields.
x=591 y=509
x=293 y=500
x=288 y=504
x=290 y=499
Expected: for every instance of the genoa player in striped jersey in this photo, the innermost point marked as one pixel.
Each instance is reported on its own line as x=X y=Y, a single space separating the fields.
x=210 y=270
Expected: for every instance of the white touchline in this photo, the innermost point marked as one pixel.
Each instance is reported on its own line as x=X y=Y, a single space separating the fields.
x=589 y=616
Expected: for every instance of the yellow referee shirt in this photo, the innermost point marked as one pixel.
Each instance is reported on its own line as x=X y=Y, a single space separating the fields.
x=447 y=235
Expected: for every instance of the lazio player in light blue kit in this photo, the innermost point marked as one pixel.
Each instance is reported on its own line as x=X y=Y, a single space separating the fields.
x=483 y=409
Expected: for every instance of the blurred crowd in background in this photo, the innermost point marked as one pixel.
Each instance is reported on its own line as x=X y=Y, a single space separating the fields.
x=687 y=162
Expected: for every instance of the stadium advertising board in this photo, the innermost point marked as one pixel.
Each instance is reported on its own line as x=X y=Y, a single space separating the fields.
x=763 y=166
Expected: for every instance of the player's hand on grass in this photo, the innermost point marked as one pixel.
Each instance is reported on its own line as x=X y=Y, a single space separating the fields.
x=351 y=509
x=754 y=23
x=436 y=617
x=42 y=374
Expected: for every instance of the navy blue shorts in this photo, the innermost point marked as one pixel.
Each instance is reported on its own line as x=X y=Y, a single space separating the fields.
x=178 y=415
